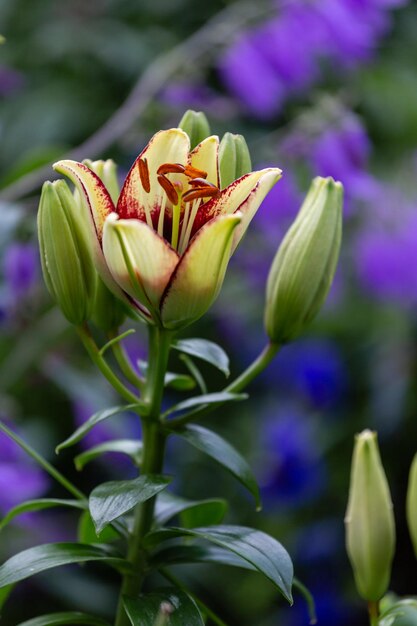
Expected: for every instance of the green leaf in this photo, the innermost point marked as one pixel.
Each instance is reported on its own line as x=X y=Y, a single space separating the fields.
x=98 y=417
x=67 y=617
x=131 y=447
x=145 y=610
x=178 y=553
x=402 y=613
x=4 y=594
x=265 y=553
x=180 y=382
x=111 y=500
x=221 y=451
x=193 y=512
x=44 y=557
x=38 y=505
x=86 y=532
x=208 y=398
x=205 y=350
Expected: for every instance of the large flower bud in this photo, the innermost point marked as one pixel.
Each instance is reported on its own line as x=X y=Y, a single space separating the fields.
x=196 y=125
x=65 y=252
x=370 y=526
x=412 y=503
x=303 y=268
x=234 y=158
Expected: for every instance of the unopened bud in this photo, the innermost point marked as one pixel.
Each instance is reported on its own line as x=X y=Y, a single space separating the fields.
x=108 y=311
x=107 y=172
x=65 y=252
x=412 y=504
x=370 y=526
x=234 y=158
x=303 y=268
x=196 y=125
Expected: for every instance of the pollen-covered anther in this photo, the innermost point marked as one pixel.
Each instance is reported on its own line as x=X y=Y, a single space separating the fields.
x=171 y=168
x=169 y=188
x=201 y=182
x=201 y=192
x=144 y=175
x=193 y=172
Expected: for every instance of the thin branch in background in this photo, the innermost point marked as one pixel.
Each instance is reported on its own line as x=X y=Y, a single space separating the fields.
x=200 y=45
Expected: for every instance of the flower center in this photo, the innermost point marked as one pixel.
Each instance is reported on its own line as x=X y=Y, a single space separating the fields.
x=184 y=206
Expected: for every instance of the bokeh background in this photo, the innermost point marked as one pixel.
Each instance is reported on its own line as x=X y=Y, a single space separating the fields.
x=323 y=87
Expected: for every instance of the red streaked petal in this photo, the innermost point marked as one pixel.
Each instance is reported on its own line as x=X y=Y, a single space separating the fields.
x=245 y=195
x=199 y=275
x=167 y=146
x=205 y=156
x=140 y=261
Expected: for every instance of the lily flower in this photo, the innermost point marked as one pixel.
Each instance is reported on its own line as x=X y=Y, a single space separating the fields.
x=165 y=246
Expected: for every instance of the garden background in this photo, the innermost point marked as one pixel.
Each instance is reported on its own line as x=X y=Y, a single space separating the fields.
x=323 y=87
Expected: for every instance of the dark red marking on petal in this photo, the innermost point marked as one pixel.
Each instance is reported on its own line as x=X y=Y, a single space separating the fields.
x=201 y=192
x=169 y=188
x=144 y=174
x=171 y=168
x=193 y=172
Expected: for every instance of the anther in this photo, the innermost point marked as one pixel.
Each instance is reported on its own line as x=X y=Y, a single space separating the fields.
x=202 y=192
x=193 y=172
x=201 y=182
x=169 y=188
x=144 y=175
x=171 y=168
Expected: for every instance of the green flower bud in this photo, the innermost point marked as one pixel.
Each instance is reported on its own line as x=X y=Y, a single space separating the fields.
x=370 y=526
x=107 y=172
x=412 y=503
x=196 y=125
x=303 y=268
x=66 y=260
x=234 y=158
x=108 y=312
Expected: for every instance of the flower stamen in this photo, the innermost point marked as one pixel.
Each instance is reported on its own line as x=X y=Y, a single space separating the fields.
x=201 y=192
x=169 y=188
x=171 y=168
x=193 y=172
x=144 y=175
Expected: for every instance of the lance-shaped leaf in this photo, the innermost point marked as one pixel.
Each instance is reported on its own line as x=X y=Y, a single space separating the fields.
x=44 y=557
x=179 y=607
x=111 y=500
x=98 y=417
x=199 y=275
x=221 y=451
x=193 y=512
x=206 y=351
x=38 y=505
x=176 y=553
x=67 y=617
x=130 y=447
x=262 y=551
x=218 y=397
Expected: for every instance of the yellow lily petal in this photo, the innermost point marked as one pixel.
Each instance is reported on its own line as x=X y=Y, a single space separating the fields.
x=140 y=261
x=205 y=157
x=167 y=146
x=199 y=275
x=244 y=195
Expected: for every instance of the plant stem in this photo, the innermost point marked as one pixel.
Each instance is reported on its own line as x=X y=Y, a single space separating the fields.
x=251 y=372
x=153 y=458
x=373 y=609
x=124 y=362
x=94 y=352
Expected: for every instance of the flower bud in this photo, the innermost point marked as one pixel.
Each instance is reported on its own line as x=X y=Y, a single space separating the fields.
x=234 y=158
x=412 y=503
x=107 y=172
x=65 y=252
x=370 y=526
x=303 y=268
x=108 y=311
x=196 y=125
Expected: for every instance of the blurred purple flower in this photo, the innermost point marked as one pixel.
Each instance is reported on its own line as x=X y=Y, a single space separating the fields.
x=20 y=479
x=292 y=471
x=197 y=96
x=331 y=607
x=10 y=81
x=20 y=270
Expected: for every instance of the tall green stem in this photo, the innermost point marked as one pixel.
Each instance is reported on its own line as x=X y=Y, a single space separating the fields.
x=373 y=608
x=153 y=458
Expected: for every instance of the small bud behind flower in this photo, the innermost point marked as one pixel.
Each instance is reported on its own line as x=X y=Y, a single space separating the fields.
x=65 y=252
x=412 y=504
x=196 y=125
x=234 y=158
x=370 y=526
x=107 y=172
x=304 y=266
